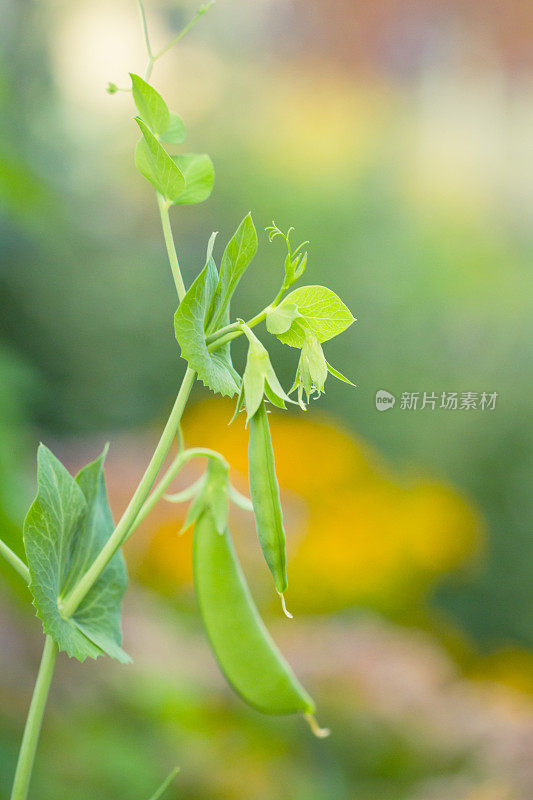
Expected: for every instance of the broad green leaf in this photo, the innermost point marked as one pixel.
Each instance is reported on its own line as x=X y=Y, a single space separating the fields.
x=236 y=258
x=175 y=132
x=280 y=319
x=199 y=175
x=66 y=527
x=153 y=161
x=215 y=369
x=321 y=310
x=150 y=105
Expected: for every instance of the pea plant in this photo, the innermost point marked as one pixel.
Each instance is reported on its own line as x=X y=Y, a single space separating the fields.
x=74 y=566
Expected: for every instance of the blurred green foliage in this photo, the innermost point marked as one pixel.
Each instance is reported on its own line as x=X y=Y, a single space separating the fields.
x=155 y=723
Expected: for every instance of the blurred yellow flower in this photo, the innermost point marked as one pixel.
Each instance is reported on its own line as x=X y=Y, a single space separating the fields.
x=313 y=123
x=355 y=535
x=508 y=666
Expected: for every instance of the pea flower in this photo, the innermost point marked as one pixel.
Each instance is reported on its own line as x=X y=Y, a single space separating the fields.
x=259 y=379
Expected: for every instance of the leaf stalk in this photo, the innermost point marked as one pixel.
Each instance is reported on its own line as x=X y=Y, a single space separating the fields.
x=171 y=248
x=15 y=561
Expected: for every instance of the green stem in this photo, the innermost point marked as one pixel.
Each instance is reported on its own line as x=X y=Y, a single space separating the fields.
x=278 y=297
x=234 y=330
x=234 y=326
x=15 y=561
x=166 y=783
x=70 y=603
x=34 y=721
x=145 y=30
x=149 y=68
x=178 y=464
x=171 y=249
x=229 y=332
x=201 y=11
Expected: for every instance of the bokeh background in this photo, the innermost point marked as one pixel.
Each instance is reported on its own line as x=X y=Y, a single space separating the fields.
x=397 y=137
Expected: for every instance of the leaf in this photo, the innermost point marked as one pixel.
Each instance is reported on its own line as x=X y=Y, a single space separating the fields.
x=280 y=319
x=210 y=247
x=322 y=311
x=150 y=105
x=186 y=494
x=237 y=256
x=215 y=369
x=240 y=500
x=155 y=164
x=199 y=175
x=66 y=527
x=175 y=133
x=338 y=375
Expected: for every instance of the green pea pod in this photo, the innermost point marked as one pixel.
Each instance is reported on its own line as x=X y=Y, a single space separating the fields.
x=264 y=491
x=242 y=645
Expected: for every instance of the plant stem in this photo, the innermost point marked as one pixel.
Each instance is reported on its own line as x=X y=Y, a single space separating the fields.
x=153 y=58
x=34 y=721
x=145 y=30
x=15 y=561
x=70 y=603
x=178 y=464
x=201 y=11
x=229 y=332
x=233 y=326
x=166 y=783
x=233 y=331
x=171 y=249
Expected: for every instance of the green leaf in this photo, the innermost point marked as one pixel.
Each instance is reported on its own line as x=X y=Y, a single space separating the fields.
x=210 y=247
x=240 y=500
x=199 y=175
x=155 y=164
x=66 y=527
x=322 y=311
x=175 y=132
x=215 y=369
x=280 y=319
x=338 y=375
x=150 y=105
x=237 y=256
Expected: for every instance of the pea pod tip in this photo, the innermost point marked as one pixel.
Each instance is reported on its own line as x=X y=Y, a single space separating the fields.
x=320 y=733
x=284 y=606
